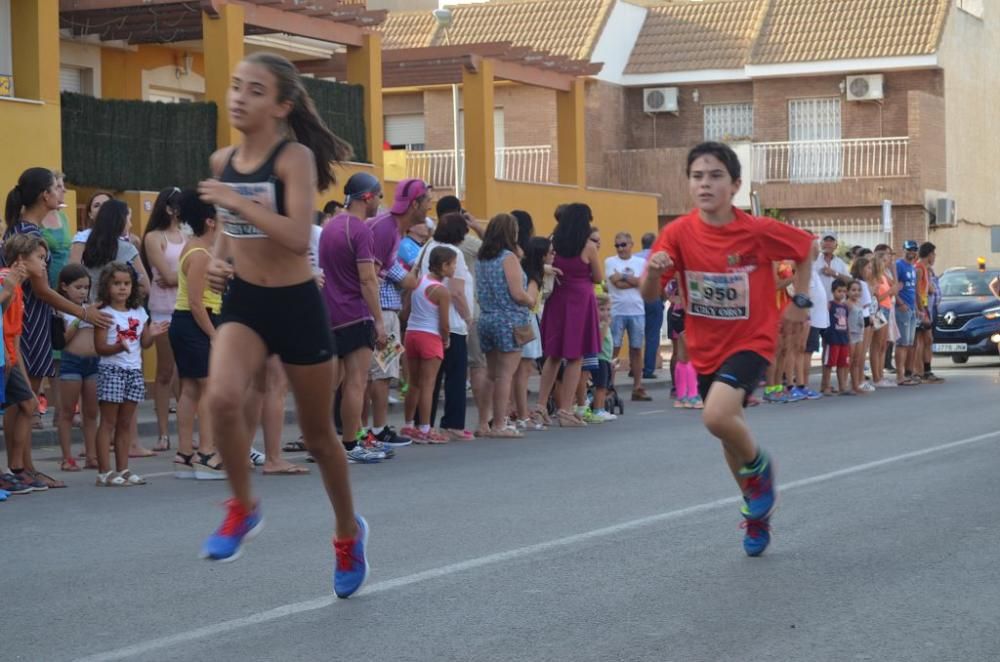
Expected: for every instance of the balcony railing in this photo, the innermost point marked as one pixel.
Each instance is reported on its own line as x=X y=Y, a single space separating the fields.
x=518 y=164
x=817 y=161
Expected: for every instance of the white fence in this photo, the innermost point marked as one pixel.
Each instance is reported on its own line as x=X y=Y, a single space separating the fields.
x=517 y=164
x=814 y=161
x=864 y=232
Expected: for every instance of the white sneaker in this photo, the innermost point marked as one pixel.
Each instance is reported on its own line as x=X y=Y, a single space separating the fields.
x=886 y=383
x=868 y=387
x=605 y=415
x=257 y=457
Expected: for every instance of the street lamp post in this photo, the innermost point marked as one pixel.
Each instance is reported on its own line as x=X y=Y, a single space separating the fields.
x=444 y=18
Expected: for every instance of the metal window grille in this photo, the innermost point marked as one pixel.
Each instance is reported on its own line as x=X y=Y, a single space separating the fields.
x=728 y=121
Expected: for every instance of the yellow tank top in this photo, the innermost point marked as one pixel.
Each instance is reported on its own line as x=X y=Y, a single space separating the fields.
x=211 y=300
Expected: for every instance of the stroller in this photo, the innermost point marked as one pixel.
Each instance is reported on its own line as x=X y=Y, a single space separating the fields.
x=613 y=403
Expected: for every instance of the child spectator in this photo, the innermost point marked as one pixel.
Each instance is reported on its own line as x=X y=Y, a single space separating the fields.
x=120 y=384
x=601 y=377
x=778 y=373
x=27 y=253
x=427 y=335
x=856 y=334
x=538 y=255
x=837 y=343
x=819 y=321
x=77 y=371
x=14 y=392
x=685 y=377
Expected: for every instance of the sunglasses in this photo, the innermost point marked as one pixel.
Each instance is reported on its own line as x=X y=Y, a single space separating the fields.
x=621 y=245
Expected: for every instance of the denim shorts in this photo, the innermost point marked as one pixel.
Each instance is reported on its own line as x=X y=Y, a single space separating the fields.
x=906 y=323
x=636 y=327
x=75 y=368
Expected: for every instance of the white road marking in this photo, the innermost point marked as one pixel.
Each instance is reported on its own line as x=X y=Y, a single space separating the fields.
x=500 y=557
x=654 y=411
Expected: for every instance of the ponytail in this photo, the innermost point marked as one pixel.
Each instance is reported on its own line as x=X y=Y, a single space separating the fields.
x=303 y=120
x=32 y=183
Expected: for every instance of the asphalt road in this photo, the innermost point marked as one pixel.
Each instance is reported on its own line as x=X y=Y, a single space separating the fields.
x=618 y=542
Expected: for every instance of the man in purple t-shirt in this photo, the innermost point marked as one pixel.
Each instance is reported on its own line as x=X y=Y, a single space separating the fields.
x=410 y=206
x=347 y=258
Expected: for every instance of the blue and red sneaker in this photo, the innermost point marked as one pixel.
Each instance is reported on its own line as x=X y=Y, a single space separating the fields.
x=351 y=567
x=757 y=484
x=226 y=544
x=757 y=536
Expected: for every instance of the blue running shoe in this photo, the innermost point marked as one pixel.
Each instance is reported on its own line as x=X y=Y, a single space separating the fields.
x=757 y=484
x=811 y=394
x=4 y=494
x=757 y=536
x=351 y=567
x=226 y=544
x=778 y=397
x=796 y=394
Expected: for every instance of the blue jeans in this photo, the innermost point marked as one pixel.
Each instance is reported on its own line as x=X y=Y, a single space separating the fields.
x=654 y=323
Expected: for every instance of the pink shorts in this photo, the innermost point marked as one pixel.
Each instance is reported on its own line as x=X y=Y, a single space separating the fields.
x=423 y=345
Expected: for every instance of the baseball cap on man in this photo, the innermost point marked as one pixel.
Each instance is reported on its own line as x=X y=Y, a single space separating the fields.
x=407 y=191
x=910 y=245
x=361 y=185
x=828 y=234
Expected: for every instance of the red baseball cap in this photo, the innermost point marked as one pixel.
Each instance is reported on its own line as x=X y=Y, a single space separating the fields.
x=407 y=191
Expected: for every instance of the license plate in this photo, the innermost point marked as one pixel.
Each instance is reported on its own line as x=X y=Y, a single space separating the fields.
x=949 y=348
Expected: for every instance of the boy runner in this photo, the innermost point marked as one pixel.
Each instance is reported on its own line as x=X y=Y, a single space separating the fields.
x=724 y=259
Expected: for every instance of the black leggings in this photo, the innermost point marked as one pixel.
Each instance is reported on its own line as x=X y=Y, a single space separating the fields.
x=453 y=371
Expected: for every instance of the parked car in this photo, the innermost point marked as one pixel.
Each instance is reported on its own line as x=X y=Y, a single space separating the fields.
x=968 y=316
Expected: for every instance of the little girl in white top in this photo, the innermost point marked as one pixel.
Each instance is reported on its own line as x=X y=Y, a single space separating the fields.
x=120 y=383
x=427 y=335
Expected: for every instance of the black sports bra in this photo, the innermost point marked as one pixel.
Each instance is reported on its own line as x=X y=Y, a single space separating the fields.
x=262 y=186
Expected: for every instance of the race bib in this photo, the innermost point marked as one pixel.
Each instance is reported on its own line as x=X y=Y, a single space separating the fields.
x=718 y=296
x=235 y=225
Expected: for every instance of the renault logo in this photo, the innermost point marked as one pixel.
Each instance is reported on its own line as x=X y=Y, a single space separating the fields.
x=949 y=318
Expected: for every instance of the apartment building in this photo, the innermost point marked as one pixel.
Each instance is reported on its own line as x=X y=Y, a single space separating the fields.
x=870 y=116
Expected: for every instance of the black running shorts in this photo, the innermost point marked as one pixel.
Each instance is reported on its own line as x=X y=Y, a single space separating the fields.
x=741 y=370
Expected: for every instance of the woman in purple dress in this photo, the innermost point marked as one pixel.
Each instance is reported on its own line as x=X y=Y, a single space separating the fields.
x=569 y=322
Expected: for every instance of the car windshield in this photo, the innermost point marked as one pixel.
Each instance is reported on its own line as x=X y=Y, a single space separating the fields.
x=966 y=284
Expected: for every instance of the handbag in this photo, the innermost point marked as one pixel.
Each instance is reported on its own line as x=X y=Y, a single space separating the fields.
x=878 y=319
x=58 y=333
x=524 y=334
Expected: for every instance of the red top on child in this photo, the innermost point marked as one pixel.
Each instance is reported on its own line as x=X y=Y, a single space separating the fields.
x=728 y=282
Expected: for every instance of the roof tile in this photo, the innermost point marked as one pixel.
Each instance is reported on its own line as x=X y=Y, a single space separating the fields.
x=561 y=27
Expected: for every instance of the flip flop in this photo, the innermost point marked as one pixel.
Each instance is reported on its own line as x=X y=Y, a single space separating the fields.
x=48 y=480
x=297 y=446
x=292 y=470
x=138 y=454
x=69 y=464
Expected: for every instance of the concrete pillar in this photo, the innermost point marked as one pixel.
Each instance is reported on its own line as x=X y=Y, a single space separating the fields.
x=364 y=67
x=480 y=144
x=223 y=41
x=571 y=136
x=34 y=27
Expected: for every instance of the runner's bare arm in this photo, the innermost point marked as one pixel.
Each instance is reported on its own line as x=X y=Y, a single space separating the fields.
x=657 y=265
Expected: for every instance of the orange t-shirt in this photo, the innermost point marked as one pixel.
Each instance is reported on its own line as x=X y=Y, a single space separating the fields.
x=13 y=321
x=728 y=282
x=786 y=270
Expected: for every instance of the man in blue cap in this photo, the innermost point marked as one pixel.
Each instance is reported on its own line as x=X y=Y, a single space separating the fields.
x=906 y=313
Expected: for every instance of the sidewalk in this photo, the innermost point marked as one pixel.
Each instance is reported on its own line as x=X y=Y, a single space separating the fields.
x=48 y=436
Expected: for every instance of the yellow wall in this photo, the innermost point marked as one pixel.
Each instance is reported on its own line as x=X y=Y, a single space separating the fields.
x=121 y=70
x=614 y=211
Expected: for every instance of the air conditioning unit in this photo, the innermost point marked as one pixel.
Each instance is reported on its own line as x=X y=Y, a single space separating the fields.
x=944 y=212
x=659 y=100
x=865 y=88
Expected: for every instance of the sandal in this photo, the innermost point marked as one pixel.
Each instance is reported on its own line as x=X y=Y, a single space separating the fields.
x=569 y=420
x=460 y=435
x=162 y=443
x=91 y=464
x=297 y=446
x=132 y=479
x=506 y=432
x=541 y=414
x=48 y=480
x=69 y=464
x=110 y=479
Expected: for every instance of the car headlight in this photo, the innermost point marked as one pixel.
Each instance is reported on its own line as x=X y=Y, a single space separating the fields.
x=992 y=313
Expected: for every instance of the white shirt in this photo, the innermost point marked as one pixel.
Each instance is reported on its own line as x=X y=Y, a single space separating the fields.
x=127 y=326
x=456 y=324
x=313 y=253
x=836 y=264
x=626 y=301
x=819 y=314
x=866 y=299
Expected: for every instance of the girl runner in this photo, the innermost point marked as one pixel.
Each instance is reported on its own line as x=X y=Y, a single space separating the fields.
x=264 y=191
x=723 y=257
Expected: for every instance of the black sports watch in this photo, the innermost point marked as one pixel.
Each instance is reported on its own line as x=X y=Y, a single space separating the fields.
x=802 y=301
